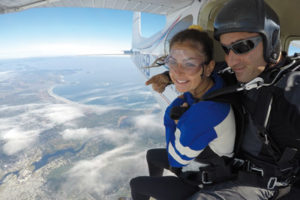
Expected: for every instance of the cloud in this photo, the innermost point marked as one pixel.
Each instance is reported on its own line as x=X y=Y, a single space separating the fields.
x=106 y=173
x=22 y=125
x=89 y=99
x=58 y=49
x=6 y=75
x=40 y=115
x=145 y=93
x=61 y=113
x=80 y=133
x=148 y=121
x=120 y=151
x=115 y=137
x=17 y=140
x=26 y=122
x=85 y=133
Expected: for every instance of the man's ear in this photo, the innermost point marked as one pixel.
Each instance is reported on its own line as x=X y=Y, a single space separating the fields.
x=209 y=68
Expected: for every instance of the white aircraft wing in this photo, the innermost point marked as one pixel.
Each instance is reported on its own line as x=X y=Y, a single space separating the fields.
x=163 y=7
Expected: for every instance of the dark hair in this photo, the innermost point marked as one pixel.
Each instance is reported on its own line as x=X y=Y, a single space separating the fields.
x=196 y=37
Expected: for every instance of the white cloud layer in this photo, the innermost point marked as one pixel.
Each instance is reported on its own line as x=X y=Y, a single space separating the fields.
x=148 y=121
x=6 y=75
x=61 y=49
x=106 y=173
x=112 y=153
x=21 y=130
x=17 y=140
x=60 y=113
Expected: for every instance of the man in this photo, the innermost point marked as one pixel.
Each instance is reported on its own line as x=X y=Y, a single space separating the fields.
x=267 y=162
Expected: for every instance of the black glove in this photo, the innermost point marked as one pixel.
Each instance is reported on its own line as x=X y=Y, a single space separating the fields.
x=177 y=111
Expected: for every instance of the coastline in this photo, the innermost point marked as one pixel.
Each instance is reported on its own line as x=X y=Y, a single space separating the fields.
x=59 y=98
x=90 y=108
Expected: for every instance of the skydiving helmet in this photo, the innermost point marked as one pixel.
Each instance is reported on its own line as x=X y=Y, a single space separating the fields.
x=251 y=16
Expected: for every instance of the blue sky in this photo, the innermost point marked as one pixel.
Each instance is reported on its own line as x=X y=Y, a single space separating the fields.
x=69 y=31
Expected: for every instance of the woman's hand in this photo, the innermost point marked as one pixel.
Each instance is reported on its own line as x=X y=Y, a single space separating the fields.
x=159 y=82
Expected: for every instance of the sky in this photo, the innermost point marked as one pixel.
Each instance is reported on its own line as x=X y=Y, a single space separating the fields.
x=70 y=31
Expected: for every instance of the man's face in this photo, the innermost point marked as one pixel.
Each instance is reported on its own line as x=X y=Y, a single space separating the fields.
x=246 y=66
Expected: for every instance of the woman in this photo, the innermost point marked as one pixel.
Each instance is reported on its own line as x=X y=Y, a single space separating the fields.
x=194 y=128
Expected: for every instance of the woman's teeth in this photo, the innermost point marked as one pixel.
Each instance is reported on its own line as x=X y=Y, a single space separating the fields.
x=180 y=81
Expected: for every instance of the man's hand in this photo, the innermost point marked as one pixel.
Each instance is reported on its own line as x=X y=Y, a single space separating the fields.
x=159 y=82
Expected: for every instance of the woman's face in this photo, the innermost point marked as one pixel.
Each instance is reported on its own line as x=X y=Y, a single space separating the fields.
x=186 y=64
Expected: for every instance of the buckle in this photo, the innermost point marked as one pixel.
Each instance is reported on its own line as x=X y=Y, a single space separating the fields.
x=255 y=83
x=237 y=162
x=252 y=168
x=260 y=171
x=204 y=178
x=272 y=183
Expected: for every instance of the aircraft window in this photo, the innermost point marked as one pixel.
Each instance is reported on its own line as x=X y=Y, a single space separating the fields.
x=148 y=28
x=294 y=47
x=181 y=25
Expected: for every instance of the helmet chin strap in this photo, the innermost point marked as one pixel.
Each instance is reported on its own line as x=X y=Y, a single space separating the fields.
x=227 y=69
x=255 y=83
x=258 y=82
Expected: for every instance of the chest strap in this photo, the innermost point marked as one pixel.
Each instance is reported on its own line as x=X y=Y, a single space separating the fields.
x=217 y=169
x=267 y=175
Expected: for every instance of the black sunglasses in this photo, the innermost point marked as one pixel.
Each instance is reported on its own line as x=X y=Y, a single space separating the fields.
x=242 y=46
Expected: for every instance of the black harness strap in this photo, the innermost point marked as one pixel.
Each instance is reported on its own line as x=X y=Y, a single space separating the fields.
x=218 y=169
x=232 y=98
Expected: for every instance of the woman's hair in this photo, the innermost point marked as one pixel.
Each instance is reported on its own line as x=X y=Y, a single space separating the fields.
x=197 y=38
